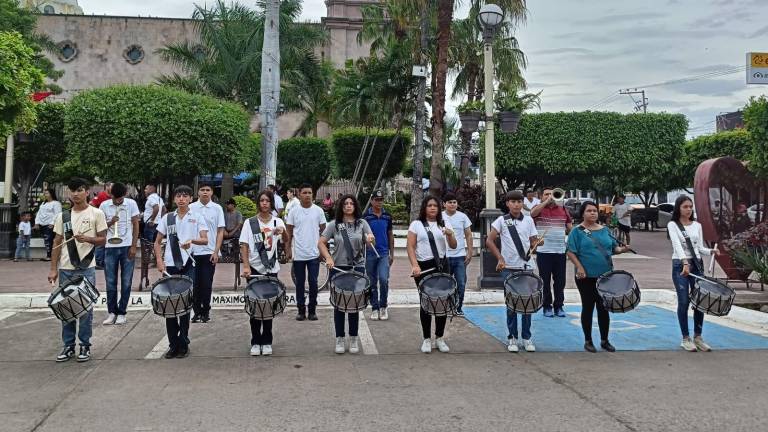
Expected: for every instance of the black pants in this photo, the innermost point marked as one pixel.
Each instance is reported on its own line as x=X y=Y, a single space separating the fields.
x=261 y=330
x=48 y=235
x=178 y=328
x=590 y=298
x=201 y=297
x=426 y=319
x=306 y=271
x=552 y=272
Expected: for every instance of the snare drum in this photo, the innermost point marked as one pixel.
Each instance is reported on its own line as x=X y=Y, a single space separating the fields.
x=73 y=299
x=619 y=291
x=523 y=292
x=712 y=296
x=437 y=294
x=265 y=297
x=350 y=291
x=172 y=296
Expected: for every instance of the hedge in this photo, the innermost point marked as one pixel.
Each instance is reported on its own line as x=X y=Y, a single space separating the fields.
x=347 y=144
x=303 y=160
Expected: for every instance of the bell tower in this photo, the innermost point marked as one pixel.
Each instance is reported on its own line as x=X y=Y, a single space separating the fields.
x=344 y=21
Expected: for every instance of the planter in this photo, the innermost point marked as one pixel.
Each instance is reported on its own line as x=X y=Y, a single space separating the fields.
x=509 y=120
x=470 y=120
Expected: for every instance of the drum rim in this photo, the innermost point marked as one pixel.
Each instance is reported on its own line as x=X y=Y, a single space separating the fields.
x=434 y=275
x=612 y=272
x=528 y=273
x=262 y=278
x=731 y=291
x=357 y=273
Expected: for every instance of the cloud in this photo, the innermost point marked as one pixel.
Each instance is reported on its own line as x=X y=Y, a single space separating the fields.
x=619 y=18
x=712 y=88
x=565 y=50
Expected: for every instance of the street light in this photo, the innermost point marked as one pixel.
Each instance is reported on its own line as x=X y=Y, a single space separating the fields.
x=490 y=17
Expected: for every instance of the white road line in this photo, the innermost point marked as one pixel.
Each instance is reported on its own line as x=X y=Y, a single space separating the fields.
x=6 y=314
x=366 y=338
x=28 y=323
x=159 y=349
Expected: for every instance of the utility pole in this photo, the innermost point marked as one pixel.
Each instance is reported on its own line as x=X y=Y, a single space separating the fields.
x=642 y=104
x=417 y=192
x=270 y=92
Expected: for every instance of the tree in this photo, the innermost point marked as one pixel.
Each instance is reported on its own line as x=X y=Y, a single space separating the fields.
x=346 y=145
x=735 y=143
x=141 y=133
x=756 y=122
x=301 y=160
x=19 y=77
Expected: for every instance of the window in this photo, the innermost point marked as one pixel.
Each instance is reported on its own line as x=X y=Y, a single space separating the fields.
x=134 y=54
x=67 y=50
x=48 y=9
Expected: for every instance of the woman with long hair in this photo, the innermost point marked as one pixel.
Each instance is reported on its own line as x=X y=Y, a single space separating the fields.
x=422 y=259
x=687 y=249
x=45 y=217
x=350 y=233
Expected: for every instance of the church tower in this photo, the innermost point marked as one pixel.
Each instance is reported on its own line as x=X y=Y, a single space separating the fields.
x=51 y=7
x=344 y=21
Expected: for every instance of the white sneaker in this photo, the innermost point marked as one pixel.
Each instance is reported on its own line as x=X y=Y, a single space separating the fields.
x=441 y=345
x=701 y=345
x=383 y=314
x=512 y=347
x=110 y=319
x=375 y=315
x=340 y=348
x=256 y=350
x=529 y=346
x=353 y=348
x=266 y=350
x=120 y=320
x=688 y=345
x=426 y=346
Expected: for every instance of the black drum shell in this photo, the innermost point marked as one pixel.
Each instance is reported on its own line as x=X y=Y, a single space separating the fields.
x=350 y=292
x=171 y=296
x=77 y=297
x=712 y=297
x=265 y=297
x=524 y=298
x=437 y=294
x=619 y=291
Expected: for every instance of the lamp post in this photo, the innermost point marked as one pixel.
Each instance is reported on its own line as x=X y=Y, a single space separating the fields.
x=490 y=17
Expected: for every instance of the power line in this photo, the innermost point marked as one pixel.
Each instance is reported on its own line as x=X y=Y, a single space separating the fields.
x=708 y=75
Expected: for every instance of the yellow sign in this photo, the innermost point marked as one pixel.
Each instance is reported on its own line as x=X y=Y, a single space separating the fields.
x=759 y=60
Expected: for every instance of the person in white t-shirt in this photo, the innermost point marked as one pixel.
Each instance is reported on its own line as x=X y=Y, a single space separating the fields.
x=530 y=201
x=623 y=213
x=78 y=231
x=25 y=234
x=153 y=209
x=122 y=216
x=207 y=255
x=514 y=257
x=305 y=223
x=422 y=259
x=278 y=200
x=44 y=219
x=259 y=240
x=189 y=228
x=460 y=256
x=292 y=201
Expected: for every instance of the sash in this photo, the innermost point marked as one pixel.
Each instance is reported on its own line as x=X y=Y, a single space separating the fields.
x=696 y=265
x=342 y=229
x=173 y=241
x=598 y=246
x=516 y=238
x=432 y=245
x=258 y=241
x=74 y=255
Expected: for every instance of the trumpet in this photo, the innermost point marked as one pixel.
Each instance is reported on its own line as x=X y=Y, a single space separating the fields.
x=558 y=195
x=117 y=238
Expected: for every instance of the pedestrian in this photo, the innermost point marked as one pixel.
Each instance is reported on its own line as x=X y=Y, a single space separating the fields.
x=45 y=217
x=305 y=223
x=292 y=200
x=25 y=235
x=153 y=210
x=278 y=200
x=518 y=235
x=102 y=196
x=380 y=256
x=233 y=220
x=460 y=256
x=206 y=255
x=122 y=216
x=553 y=220
x=623 y=213
x=88 y=227
x=351 y=234
x=687 y=239
x=590 y=247
x=422 y=258
x=530 y=201
x=328 y=202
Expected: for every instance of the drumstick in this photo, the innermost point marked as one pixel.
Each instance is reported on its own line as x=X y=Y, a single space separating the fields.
x=70 y=239
x=425 y=271
x=535 y=245
x=712 y=262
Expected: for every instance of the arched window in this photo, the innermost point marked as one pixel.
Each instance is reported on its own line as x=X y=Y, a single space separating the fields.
x=48 y=9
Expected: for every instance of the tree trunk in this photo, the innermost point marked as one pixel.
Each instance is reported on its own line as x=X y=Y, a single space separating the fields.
x=444 y=18
x=417 y=192
x=466 y=137
x=227 y=187
x=270 y=92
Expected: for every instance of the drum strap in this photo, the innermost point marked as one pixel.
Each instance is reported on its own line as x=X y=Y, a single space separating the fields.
x=258 y=241
x=74 y=255
x=598 y=246
x=432 y=245
x=516 y=237
x=688 y=242
x=173 y=240
x=342 y=229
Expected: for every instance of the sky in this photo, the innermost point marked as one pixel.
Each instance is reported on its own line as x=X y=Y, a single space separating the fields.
x=580 y=53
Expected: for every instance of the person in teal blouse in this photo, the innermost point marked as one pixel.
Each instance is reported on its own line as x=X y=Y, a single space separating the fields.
x=590 y=247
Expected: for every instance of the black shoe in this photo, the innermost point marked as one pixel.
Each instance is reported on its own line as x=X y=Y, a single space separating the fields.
x=66 y=354
x=171 y=353
x=589 y=346
x=312 y=316
x=607 y=346
x=183 y=352
x=85 y=354
x=206 y=317
x=301 y=316
x=196 y=318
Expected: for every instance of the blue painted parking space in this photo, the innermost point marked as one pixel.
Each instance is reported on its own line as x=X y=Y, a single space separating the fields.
x=646 y=328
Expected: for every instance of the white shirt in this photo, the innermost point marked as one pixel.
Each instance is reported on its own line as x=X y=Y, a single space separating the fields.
x=306 y=224
x=423 y=249
x=213 y=215
x=25 y=228
x=270 y=243
x=152 y=201
x=188 y=228
x=680 y=247
x=124 y=225
x=291 y=204
x=529 y=205
x=525 y=229
x=459 y=222
x=622 y=212
x=47 y=213
x=89 y=222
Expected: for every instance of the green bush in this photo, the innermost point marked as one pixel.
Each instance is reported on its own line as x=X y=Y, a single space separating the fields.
x=347 y=144
x=399 y=213
x=735 y=143
x=756 y=122
x=246 y=207
x=303 y=160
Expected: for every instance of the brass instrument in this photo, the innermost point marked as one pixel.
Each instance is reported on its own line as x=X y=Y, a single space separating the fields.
x=558 y=195
x=117 y=238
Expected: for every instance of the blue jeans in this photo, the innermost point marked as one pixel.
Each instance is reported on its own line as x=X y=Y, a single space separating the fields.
x=458 y=269
x=70 y=329
x=116 y=258
x=303 y=270
x=22 y=246
x=378 y=271
x=178 y=327
x=99 y=255
x=150 y=232
x=512 y=317
x=48 y=235
x=683 y=285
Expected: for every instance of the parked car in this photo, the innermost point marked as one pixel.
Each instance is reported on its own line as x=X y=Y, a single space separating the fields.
x=666 y=207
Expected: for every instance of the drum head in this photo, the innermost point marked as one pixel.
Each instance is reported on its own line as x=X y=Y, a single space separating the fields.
x=354 y=282
x=616 y=284
x=523 y=283
x=438 y=285
x=66 y=288
x=714 y=287
x=172 y=285
x=264 y=288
